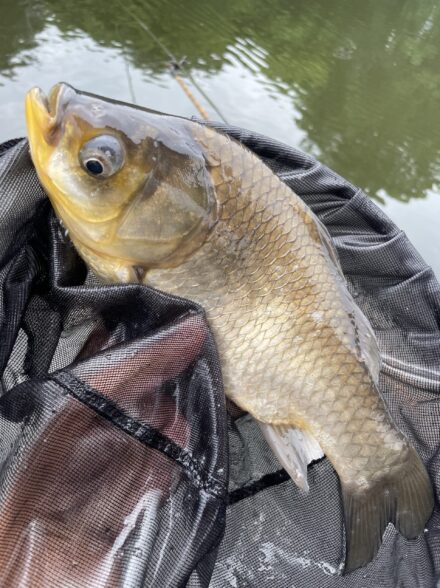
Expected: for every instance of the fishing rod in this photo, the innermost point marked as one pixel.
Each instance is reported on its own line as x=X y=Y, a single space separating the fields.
x=176 y=67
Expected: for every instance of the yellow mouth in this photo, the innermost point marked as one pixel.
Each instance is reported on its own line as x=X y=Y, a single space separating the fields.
x=44 y=113
x=44 y=116
x=39 y=123
x=40 y=120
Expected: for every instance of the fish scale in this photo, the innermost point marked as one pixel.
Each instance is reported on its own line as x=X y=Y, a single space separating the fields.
x=201 y=217
x=264 y=341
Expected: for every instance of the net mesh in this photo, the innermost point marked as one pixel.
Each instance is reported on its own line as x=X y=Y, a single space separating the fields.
x=120 y=465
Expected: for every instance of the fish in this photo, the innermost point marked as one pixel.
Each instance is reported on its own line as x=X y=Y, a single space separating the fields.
x=166 y=201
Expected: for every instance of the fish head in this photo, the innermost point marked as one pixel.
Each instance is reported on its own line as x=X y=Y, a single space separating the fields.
x=129 y=184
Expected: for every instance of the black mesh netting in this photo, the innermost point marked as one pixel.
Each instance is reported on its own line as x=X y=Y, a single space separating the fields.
x=113 y=430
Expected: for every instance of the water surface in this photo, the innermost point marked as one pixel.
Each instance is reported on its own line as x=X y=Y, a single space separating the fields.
x=356 y=84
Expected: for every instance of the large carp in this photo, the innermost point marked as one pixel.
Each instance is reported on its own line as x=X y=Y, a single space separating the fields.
x=161 y=199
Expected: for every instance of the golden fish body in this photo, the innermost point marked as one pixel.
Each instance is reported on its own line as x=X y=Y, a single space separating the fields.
x=193 y=213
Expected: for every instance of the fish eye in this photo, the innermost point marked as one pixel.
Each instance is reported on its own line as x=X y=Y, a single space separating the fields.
x=94 y=166
x=102 y=156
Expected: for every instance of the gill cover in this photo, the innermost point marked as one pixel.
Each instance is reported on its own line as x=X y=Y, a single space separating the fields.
x=131 y=185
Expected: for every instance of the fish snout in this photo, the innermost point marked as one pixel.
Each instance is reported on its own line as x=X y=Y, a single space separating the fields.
x=44 y=114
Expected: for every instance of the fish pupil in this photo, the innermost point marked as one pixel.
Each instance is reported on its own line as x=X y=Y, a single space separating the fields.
x=94 y=166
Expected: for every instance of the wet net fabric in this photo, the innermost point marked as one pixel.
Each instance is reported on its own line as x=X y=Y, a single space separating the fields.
x=120 y=465
x=113 y=426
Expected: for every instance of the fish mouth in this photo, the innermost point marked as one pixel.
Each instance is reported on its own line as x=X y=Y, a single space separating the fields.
x=44 y=114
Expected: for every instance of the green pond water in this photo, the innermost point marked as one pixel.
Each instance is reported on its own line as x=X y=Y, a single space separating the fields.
x=356 y=84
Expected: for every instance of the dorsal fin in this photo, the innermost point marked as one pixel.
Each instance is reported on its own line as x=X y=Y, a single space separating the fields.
x=326 y=240
x=367 y=348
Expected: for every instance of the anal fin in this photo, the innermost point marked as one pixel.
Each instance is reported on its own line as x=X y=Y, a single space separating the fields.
x=294 y=448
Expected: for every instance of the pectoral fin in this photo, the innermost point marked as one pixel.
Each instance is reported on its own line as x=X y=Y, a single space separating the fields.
x=110 y=270
x=294 y=448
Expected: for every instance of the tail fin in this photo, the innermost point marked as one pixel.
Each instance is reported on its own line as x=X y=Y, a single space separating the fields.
x=404 y=498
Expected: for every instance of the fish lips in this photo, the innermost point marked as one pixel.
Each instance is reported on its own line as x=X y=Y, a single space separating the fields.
x=44 y=114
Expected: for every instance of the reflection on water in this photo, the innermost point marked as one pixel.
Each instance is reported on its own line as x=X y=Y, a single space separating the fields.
x=357 y=84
